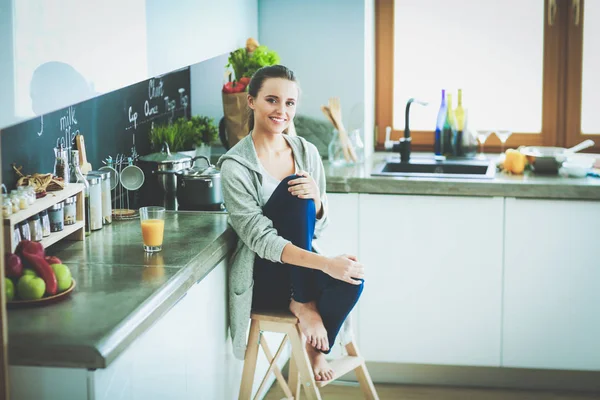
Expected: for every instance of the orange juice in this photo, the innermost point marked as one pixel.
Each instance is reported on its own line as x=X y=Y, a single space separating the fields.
x=152 y=231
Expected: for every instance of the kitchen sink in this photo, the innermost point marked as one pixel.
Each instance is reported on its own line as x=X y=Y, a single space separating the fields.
x=430 y=168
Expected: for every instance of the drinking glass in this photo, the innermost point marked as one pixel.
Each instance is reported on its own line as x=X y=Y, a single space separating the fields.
x=482 y=136
x=503 y=135
x=153 y=227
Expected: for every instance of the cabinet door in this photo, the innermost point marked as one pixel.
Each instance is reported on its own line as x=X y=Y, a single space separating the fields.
x=341 y=235
x=433 y=279
x=552 y=285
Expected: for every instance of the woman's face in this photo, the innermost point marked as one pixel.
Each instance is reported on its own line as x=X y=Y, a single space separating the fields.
x=275 y=105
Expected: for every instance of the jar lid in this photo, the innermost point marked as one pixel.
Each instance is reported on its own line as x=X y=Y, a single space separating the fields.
x=43 y=213
x=165 y=156
x=93 y=179
x=70 y=200
x=57 y=206
x=104 y=175
x=33 y=217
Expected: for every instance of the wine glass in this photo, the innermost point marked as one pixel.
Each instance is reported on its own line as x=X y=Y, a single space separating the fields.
x=503 y=135
x=482 y=136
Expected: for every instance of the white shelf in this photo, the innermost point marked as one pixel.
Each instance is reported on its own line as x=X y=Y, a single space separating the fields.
x=56 y=236
x=44 y=203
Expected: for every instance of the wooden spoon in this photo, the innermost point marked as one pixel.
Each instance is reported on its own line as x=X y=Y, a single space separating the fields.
x=336 y=112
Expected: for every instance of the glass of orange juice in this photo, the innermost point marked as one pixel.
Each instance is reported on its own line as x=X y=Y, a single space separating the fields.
x=153 y=227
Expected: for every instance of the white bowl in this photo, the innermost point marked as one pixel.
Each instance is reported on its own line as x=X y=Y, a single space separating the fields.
x=581 y=160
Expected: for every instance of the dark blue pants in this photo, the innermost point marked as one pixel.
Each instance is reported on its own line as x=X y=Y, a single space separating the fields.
x=275 y=284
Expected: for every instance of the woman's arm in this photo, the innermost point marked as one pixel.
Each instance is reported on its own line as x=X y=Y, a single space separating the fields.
x=345 y=267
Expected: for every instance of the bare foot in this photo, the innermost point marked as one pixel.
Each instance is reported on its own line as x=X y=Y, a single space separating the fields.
x=320 y=366
x=311 y=324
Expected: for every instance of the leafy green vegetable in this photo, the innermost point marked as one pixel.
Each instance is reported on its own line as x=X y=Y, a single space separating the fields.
x=246 y=64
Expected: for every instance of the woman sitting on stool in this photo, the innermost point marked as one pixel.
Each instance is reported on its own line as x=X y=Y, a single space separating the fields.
x=274 y=191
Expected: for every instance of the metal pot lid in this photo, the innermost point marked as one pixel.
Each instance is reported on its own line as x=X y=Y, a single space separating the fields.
x=165 y=156
x=200 y=172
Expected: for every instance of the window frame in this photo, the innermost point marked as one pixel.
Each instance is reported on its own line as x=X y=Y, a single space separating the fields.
x=561 y=85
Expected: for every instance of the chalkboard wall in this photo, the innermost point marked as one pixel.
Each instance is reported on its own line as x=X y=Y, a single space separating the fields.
x=110 y=124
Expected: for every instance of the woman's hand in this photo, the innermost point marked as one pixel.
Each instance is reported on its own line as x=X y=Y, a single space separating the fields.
x=345 y=268
x=306 y=188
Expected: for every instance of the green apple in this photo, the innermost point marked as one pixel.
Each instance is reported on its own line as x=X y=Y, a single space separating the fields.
x=31 y=287
x=63 y=276
x=29 y=271
x=9 y=287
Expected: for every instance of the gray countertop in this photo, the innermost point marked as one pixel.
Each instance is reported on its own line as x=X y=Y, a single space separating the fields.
x=358 y=179
x=120 y=290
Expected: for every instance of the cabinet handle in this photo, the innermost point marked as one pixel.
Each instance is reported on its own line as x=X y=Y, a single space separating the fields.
x=576 y=6
x=551 y=12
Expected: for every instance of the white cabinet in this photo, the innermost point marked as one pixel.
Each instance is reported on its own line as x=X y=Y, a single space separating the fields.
x=433 y=279
x=341 y=235
x=551 y=285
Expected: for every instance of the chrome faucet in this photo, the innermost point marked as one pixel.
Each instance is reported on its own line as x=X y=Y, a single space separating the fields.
x=403 y=146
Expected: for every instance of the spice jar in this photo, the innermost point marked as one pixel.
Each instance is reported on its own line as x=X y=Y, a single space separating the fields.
x=106 y=195
x=24 y=229
x=95 y=202
x=6 y=206
x=70 y=210
x=14 y=198
x=45 y=223
x=35 y=228
x=56 y=214
x=16 y=238
x=23 y=198
x=30 y=194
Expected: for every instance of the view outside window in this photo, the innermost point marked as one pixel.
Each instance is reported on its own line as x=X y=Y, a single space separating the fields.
x=590 y=104
x=492 y=50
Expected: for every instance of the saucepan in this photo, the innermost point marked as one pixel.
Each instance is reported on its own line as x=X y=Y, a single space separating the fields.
x=197 y=186
x=547 y=160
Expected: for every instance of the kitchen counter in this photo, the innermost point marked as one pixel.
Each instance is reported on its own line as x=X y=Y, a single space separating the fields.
x=358 y=179
x=121 y=291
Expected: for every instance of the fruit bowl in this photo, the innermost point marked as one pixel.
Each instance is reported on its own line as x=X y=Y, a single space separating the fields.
x=43 y=301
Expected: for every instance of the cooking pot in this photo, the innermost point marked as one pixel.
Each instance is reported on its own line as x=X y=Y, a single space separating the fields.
x=165 y=161
x=198 y=187
x=547 y=160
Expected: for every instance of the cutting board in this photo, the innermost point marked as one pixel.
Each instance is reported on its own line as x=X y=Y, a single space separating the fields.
x=84 y=165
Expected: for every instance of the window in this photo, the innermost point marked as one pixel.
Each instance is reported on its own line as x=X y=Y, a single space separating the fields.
x=523 y=65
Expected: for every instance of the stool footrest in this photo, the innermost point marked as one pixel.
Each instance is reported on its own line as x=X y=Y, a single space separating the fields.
x=341 y=366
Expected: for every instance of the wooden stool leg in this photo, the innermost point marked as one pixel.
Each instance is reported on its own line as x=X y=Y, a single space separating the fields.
x=303 y=363
x=293 y=381
x=250 y=361
x=362 y=374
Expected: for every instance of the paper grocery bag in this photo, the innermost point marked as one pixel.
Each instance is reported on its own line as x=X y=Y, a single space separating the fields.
x=236 y=112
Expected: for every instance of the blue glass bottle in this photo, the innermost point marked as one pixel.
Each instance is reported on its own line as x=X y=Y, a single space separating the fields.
x=439 y=126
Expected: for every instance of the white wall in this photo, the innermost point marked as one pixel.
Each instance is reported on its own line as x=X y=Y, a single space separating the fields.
x=107 y=45
x=329 y=45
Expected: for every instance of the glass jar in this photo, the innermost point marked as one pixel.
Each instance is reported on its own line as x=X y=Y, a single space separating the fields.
x=16 y=238
x=35 y=228
x=30 y=194
x=6 y=206
x=45 y=223
x=57 y=217
x=23 y=197
x=14 y=198
x=106 y=195
x=95 y=200
x=24 y=229
x=70 y=210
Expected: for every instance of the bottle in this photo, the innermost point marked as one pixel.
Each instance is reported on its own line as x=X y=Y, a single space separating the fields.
x=459 y=113
x=449 y=131
x=439 y=126
x=79 y=178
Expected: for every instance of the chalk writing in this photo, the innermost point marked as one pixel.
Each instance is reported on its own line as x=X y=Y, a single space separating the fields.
x=133 y=117
x=155 y=89
x=68 y=125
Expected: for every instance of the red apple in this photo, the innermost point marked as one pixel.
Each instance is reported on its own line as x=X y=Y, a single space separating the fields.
x=13 y=267
x=53 y=260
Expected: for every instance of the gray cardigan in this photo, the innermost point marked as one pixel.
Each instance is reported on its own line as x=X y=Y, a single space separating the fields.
x=241 y=181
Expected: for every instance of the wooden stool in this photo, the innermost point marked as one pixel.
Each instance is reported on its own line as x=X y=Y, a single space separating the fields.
x=301 y=373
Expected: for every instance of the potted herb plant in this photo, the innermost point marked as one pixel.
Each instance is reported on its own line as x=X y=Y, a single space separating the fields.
x=189 y=136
